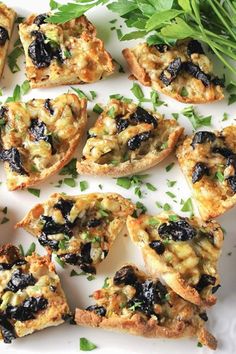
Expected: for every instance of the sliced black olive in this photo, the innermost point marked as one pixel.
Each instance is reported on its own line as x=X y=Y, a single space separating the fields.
x=53 y=288
x=173 y=70
x=94 y=222
x=28 y=309
x=121 y=124
x=7 y=329
x=142 y=116
x=179 y=230
x=135 y=142
x=4 y=36
x=126 y=275
x=196 y=72
x=215 y=288
x=162 y=48
x=71 y=258
x=87 y=268
x=39 y=51
x=19 y=281
x=40 y=19
x=45 y=241
x=158 y=246
x=3 y=111
x=199 y=170
x=50 y=227
x=205 y=281
x=99 y=310
x=202 y=137
x=85 y=253
x=38 y=129
x=203 y=316
x=231 y=180
x=222 y=151
x=69 y=318
x=194 y=47
x=12 y=156
x=231 y=161
x=64 y=206
x=218 y=82
x=7 y=266
x=48 y=106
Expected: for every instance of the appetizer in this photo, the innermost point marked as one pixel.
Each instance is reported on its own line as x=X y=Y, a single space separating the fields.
x=81 y=229
x=182 y=72
x=63 y=54
x=31 y=297
x=134 y=303
x=208 y=161
x=7 y=18
x=127 y=139
x=184 y=252
x=39 y=137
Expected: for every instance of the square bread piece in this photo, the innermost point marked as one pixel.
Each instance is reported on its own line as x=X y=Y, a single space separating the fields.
x=31 y=297
x=127 y=139
x=7 y=18
x=133 y=303
x=79 y=229
x=208 y=161
x=39 y=137
x=63 y=54
x=182 y=72
x=184 y=252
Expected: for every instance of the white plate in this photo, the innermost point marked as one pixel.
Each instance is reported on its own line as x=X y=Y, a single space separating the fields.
x=65 y=338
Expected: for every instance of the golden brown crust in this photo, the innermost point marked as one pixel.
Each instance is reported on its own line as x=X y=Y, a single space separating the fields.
x=7 y=19
x=67 y=107
x=209 y=188
x=182 y=263
x=87 y=62
x=146 y=64
x=166 y=134
x=182 y=317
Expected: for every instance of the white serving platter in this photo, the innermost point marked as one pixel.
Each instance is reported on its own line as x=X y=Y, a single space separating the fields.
x=65 y=338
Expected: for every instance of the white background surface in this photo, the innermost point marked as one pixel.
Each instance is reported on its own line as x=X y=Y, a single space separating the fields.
x=65 y=338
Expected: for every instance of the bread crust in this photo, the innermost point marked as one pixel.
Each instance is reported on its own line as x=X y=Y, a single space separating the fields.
x=171 y=132
x=208 y=188
x=88 y=60
x=158 y=265
x=67 y=146
x=152 y=61
x=7 y=18
x=140 y=325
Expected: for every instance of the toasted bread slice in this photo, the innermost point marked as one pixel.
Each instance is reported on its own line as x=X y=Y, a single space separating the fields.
x=184 y=252
x=30 y=292
x=208 y=161
x=134 y=303
x=182 y=72
x=79 y=229
x=127 y=139
x=7 y=18
x=63 y=54
x=39 y=137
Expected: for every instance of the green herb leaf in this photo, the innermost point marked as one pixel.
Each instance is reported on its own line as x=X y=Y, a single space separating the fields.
x=171 y=195
x=97 y=109
x=70 y=169
x=170 y=166
x=25 y=87
x=21 y=249
x=196 y=120
x=54 y=5
x=34 y=191
x=232 y=99
x=151 y=187
x=80 y=93
x=219 y=175
x=153 y=222
x=86 y=345
x=70 y=181
x=158 y=18
x=31 y=249
x=124 y=182
x=60 y=261
x=83 y=185
x=137 y=92
x=16 y=95
x=171 y=183
x=188 y=206
x=166 y=207
x=106 y=283
x=12 y=59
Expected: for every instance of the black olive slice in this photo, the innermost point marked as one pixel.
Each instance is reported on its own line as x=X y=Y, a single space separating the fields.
x=121 y=124
x=135 y=142
x=40 y=19
x=173 y=70
x=65 y=207
x=47 y=105
x=179 y=230
x=4 y=36
x=12 y=156
x=45 y=241
x=196 y=72
x=50 y=227
x=38 y=129
x=94 y=222
x=199 y=170
x=126 y=275
x=158 y=246
x=143 y=116
x=225 y=152
x=194 y=47
x=28 y=309
x=19 y=281
x=39 y=51
x=162 y=48
x=99 y=310
x=232 y=182
x=202 y=137
x=203 y=316
x=7 y=329
x=205 y=281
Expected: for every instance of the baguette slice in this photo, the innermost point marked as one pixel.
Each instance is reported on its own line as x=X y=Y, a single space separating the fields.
x=133 y=303
x=31 y=295
x=182 y=72
x=127 y=139
x=63 y=54
x=39 y=137
x=184 y=252
x=79 y=229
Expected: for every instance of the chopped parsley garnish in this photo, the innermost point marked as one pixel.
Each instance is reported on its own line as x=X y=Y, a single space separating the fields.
x=13 y=57
x=4 y=220
x=170 y=183
x=136 y=181
x=83 y=185
x=100 y=186
x=196 y=119
x=153 y=222
x=171 y=195
x=60 y=261
x=31 y=249
x=16 y=95
x=175 y=116
x=219 y=176
x=21 y=249
x=184 y=92
x=173 y=217
x=67 y=54
x=151 y=187
x=86 y=345
x=141 y=209
x=111 y=112
x=166 y=207
x=80 y=93
x=137 y=92
x=25 y=87
x=70 y=169
x=70 y=181
x=106 y=283
x=97 y=109
x=34 y=191
x=93 y=94
x=170 y=166
x=188 y=206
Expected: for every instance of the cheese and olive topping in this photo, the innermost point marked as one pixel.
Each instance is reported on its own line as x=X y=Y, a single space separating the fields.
x=124 y=135
x=208 y=160
x=31 y=297
x=80 y=230
x=187 y=247
x=39 y=136
x=66 y=53
x=183 y=71
x=132 y=295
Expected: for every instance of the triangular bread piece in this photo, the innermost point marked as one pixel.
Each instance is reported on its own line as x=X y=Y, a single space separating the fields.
x=79 y=229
